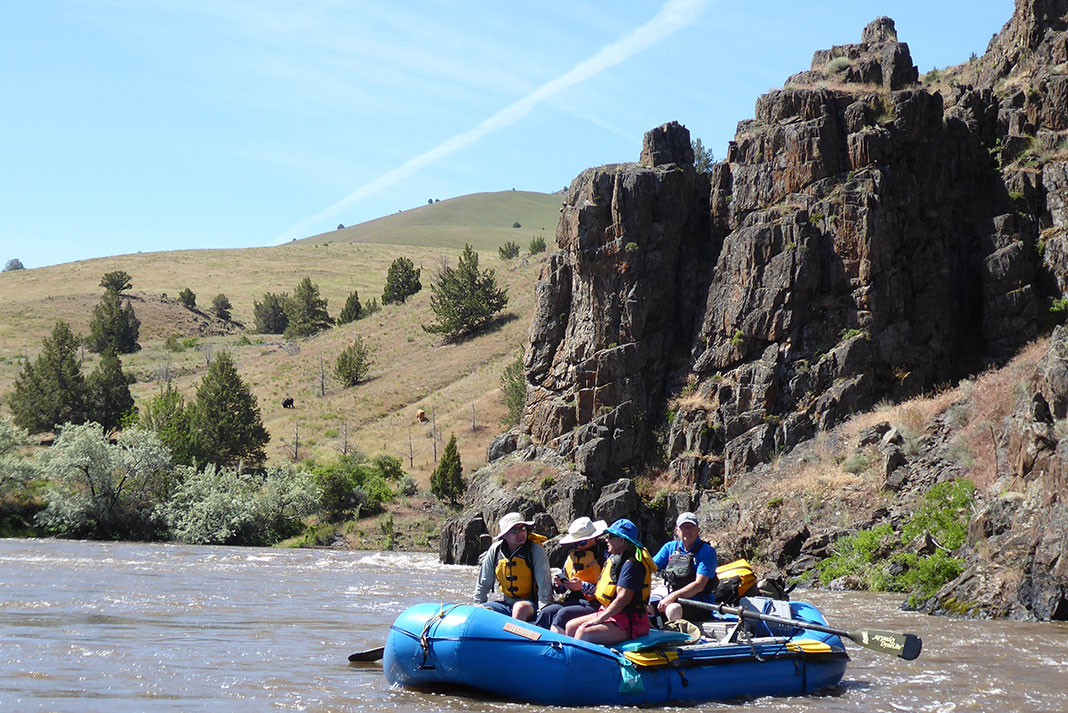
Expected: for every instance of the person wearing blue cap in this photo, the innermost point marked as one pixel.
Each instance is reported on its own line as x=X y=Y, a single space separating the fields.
x=622 y=590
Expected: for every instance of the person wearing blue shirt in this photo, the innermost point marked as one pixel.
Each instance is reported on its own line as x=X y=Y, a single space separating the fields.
x=688 y=567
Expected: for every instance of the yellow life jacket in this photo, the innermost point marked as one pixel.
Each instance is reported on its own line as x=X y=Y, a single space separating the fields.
x=515 y=574
x=606 y=585
x=582 y=564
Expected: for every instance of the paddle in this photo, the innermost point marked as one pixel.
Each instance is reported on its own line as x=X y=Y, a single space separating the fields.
x=906 y=646
x=369 y=655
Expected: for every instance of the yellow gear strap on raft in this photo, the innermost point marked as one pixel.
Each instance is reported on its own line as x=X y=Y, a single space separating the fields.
x=651 y=658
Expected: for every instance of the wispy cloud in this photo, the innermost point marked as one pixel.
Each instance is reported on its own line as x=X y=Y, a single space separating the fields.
x=674 y=15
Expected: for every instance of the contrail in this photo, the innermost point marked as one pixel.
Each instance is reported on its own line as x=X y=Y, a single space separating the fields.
x=675 y=15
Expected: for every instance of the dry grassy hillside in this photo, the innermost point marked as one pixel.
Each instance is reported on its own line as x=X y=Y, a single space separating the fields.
x=457 y=384
x=485 y=220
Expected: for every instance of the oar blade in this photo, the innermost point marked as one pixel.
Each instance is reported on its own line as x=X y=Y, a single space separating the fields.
x=906 y=646
x=366 y=656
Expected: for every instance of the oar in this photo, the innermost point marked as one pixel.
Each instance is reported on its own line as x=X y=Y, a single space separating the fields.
x=906 y=646
x=368 y=655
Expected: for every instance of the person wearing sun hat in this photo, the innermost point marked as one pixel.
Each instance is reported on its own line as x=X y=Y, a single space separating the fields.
x=622 y=590
x=582 y=569
x=688 y=567
x=515 y=562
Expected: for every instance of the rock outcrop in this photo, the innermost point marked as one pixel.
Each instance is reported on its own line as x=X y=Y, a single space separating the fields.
x=867 y=238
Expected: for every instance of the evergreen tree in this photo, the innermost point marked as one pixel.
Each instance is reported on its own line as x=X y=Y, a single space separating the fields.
x=220 y=307
x=114 y=326
x=351 y=311
x=270 y=314
x=171 y=419
x=402 y=281
x=117 y=281
x=703 y=159
x=109 y=392
x=353 y=363
x=447 y=481
x=509 y=250
x=51 y=390
x=226 y=420
x=14 y=264
x=188 y=298
x=465 y=299
x=514 y=391
x=306 y=311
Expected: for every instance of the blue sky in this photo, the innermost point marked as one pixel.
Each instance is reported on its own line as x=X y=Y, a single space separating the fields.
x=143 y=125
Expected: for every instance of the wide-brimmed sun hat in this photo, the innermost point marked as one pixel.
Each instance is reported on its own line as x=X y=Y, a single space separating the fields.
x=583 y=529
x=626 y=529
x=509 y=521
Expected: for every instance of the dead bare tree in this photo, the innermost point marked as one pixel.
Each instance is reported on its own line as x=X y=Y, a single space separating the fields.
x=294 y=449
x=411 y=449
x=345 y=448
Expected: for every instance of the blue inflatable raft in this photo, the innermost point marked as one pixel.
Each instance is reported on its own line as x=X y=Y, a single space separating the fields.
x=463 y=645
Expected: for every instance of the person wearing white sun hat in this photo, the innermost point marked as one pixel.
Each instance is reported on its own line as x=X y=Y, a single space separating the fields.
x=622 y=590
x=582 y=569
x=515 y=562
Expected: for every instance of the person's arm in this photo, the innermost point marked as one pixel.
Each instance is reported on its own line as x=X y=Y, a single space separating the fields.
x=542 y=576
x=486 y=576
x=697 y=586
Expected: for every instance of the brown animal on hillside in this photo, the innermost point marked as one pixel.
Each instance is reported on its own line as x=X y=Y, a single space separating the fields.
x=420 y=416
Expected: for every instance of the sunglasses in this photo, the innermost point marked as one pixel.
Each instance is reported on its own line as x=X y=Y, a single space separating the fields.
x=518 y=529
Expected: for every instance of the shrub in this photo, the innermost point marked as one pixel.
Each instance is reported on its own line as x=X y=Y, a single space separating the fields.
x=836 y=65
x=537 y=245
x=225 y=507
x=188 y=298
x=15 y=470
x=220 y=307
x=509 y=250
x=351 y=486
x=353 y=363
x=13 y=264
x=104 y=490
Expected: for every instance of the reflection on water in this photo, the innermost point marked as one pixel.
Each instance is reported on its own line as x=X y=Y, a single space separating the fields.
x=124 y=628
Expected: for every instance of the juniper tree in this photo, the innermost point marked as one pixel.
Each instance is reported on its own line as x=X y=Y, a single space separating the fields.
x=306 y=311
x=14 y=264
x=270 y=315
x=220 y=307
x=447 y=481
x=114 y=326
x=168 y=415
x=117 y=281
x=465 y=299
x=109 y=392
x=402 y=281
x=51 y=389
x=353 y=363
x=188 y=298
x=352 y=309
x=225 y=419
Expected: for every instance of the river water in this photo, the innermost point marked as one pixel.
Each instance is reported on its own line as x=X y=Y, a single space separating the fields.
x=125 y=628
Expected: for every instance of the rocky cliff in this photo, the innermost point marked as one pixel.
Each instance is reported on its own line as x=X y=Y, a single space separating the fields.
x=867 y=238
